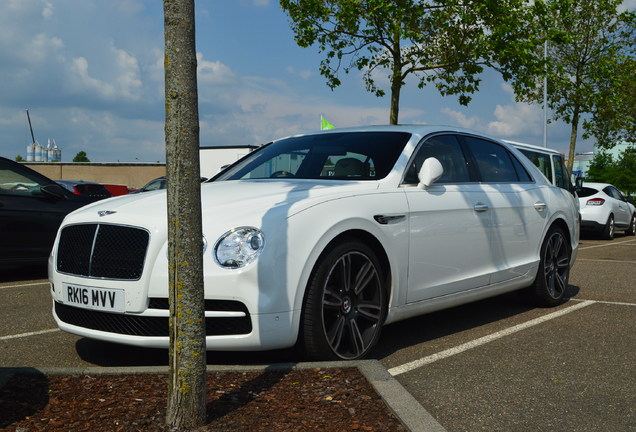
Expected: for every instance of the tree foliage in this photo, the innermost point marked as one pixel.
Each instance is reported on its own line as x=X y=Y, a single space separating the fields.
x=187 y=385
x=81 y=157
x=589 y=69
x=621 y=173
x=446 y=43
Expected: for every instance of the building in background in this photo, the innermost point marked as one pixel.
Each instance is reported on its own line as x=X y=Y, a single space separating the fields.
x=213 y=159
x=582 y=160
x=36 y=152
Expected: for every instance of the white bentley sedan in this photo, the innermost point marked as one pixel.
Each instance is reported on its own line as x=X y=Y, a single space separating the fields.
x=322 y=239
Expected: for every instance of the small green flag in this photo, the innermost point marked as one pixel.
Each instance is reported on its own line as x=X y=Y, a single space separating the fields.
x=324 y=124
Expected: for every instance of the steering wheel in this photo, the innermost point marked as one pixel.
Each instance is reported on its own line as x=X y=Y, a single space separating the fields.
x=281 y=173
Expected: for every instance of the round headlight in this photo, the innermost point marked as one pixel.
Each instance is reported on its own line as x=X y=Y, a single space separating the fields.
x=239 y=247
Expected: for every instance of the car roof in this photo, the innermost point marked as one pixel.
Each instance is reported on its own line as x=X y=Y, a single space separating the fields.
x=76 y=182
x=597 y=185
x=533 y=147
x=415 y=129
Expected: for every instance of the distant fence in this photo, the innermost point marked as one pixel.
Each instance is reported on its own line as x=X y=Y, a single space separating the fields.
x=133 y=175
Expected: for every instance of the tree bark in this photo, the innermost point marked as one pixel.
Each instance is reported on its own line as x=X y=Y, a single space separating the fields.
x=574 y=129
x=395 y=102
x=187 y=387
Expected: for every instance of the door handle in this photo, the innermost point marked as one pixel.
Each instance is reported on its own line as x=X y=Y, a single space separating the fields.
x=480 y=207
x=540 y=206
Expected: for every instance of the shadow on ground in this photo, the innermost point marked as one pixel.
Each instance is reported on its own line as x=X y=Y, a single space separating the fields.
x=115 y=355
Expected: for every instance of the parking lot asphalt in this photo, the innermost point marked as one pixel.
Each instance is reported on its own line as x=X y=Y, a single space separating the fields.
x=495 y=365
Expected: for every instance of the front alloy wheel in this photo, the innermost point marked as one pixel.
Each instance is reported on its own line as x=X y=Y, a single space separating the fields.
x=551 y=283
x=345 y=304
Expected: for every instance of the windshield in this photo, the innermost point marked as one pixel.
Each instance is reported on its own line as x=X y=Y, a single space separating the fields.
x=331 y=156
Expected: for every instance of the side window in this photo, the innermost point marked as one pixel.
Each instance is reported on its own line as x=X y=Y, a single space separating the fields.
x=561 y=177
x=541 y=160
x=495 y=163
x=16 y=183
x=614 y=193
x=448 y=151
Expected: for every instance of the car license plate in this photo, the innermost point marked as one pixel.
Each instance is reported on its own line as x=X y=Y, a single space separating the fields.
x=111 y=300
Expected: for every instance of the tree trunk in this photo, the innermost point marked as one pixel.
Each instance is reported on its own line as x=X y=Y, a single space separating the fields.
x=187 y=386
x=396 y=78
x=574 y=130
x=395 y=102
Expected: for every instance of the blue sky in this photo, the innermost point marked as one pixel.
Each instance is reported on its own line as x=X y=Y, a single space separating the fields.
x=91 y=74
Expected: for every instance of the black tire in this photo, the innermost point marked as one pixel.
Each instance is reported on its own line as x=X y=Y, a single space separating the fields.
x=610 y=229
x=551 y=284
x=345 y=304
x=632 y=226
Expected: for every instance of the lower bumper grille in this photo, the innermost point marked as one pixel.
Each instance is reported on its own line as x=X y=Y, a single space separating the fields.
x=144 y=326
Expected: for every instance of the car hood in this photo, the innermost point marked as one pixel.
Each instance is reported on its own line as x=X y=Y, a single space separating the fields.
x=243 y=201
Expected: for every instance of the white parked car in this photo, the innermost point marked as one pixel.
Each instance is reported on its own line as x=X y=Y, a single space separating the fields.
x=321 y=239
x=604 y=210
x=549 y=161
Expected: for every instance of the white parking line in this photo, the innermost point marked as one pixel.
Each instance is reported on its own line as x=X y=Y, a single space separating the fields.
x=484 y=340
x=607 y=302
x=21 y=335
x=614 y=243
x=606 y=261
x=24 y=285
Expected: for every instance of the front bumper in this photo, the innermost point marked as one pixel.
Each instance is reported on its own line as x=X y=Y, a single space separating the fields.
x=225 y=330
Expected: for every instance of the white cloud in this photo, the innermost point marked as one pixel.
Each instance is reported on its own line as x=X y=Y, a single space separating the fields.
x=82 y=81
x=462 y=120
x=516 y=120
x=40 y=48
x=303 y=73
x=627 y=5
x=213 y=72
x=47 y=11
x=128 y=82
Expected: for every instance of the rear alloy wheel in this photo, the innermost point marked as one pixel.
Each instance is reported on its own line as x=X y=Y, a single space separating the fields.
x=610 y=229
x=632 y=226
x=345 y=305
x=551 y=284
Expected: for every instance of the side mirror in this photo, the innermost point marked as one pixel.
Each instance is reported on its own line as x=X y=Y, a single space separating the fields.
x=431 y=170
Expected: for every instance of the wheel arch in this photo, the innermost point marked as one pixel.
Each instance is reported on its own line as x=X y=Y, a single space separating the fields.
x=365 y=237
x=561 y=223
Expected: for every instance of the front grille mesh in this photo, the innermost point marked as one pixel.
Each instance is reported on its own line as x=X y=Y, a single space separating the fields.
x=143 y=325
x=102 y=251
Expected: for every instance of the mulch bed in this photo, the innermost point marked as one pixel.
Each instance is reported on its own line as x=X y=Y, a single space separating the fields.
x=290 y=400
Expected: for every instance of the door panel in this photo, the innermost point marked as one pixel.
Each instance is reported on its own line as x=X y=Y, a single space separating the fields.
x=519 y=212
x=449 y=240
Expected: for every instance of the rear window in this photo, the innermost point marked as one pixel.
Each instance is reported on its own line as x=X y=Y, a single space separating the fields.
x=92 y=190
x=586 y=192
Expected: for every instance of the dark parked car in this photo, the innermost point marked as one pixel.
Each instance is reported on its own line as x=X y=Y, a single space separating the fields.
x=32 y=207
x=157 y=184
x=96 y=191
